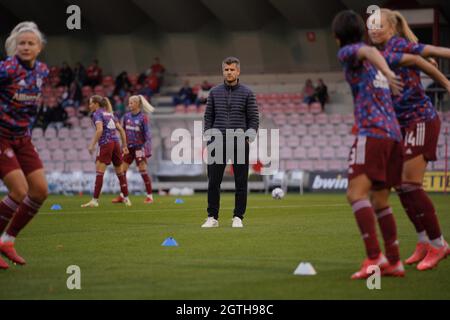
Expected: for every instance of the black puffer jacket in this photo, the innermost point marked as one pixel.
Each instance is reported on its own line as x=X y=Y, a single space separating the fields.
x=231 y=107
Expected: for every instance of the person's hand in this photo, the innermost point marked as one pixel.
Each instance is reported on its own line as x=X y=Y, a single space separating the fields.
x=395 y=83
x=125 y=150
x=91 y=149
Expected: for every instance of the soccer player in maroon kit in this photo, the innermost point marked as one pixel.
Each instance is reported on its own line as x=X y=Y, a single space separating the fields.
x=420 y=126
x=376 y=158
x=106 y=125
x=138 y=134
x=21 y=170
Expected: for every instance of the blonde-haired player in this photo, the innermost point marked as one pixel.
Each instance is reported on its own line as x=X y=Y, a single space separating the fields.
x=138 y=133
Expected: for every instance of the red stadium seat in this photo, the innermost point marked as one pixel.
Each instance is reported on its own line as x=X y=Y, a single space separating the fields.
x=306 y=165
x=313 y=153
x=314 y=130
x=321 y=141
x=335 y=118
x=315 y=108
x=328 y=153
x=320 y=165
x=300 y=153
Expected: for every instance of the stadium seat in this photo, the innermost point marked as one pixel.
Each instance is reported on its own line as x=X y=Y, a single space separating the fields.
x=300 y=153
x=307 y=119
x=348 y=118
x=335 y=165
x=73 y=122
x=335 y=118
x=302 y=108
x=321 y=118
x=86 y=122
x=313 y=153
x=328 y=153
x=58 y=155
x=287 y=130
x=343 y=129
x=320 y=165
x=76 y=133
x=301 y=130
x=315 y=108
x=88 y=166
x=286 y=153
x=37 y=133
x=342 y=152
x=335 y=141
x=45 y=155
x=40 y=144
x=292 y=165
x=81 y=144
x=328 y=130
x=63 y=133
x=306 y=165
x=314 y=130
x=50 y=133
x=71 y=155
x=53 y=144
x=348 y=141
x=320 y=141
x=293 y=141
x=307 y=141
x=294 y=119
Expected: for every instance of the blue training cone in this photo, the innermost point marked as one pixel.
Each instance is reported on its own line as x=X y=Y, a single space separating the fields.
x=56 y=207
x=170 y=242
x=179 y=201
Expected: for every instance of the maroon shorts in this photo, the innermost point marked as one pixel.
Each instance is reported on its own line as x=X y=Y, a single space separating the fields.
x=110 y=152
x=422 y=138
x=18 y=153
x=137 y=154
x=380 y=159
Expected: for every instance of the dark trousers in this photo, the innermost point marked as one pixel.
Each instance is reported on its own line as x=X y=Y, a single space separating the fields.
x=215 y=176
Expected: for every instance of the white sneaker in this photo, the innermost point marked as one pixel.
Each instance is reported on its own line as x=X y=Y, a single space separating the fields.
x=127 y=202
x=91 y=204
x=237 y=223
x=210 y=223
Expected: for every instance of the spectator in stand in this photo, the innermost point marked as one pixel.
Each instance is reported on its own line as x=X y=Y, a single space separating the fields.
x=123 y=84
x=321 y=93
x=203 y=92
x=158 y=70
x=118 y=106
x=65 y=75
x=308 y=92
x=75 y=94
x=94 y=74
x=51 y=114
x=185 y=95
x=79 y=74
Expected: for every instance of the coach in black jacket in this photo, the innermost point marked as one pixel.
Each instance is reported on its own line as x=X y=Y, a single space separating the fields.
x=230 y=106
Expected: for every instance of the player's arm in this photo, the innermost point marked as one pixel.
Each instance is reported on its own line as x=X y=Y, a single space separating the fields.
x=427 y=67
x=97 y=135
x=374 y=56
x=123 y=137
x=435 y=51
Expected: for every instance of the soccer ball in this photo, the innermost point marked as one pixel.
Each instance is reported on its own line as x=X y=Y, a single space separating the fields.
x=277 y=193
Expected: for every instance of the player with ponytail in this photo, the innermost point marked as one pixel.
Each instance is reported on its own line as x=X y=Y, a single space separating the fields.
x=138 y=133
x=106 y=125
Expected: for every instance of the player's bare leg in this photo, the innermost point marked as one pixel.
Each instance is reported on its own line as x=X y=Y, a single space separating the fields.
x=358 y=197
x=37 y=193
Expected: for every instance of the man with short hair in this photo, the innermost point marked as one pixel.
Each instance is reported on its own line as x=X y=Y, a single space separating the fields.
x=231 y=107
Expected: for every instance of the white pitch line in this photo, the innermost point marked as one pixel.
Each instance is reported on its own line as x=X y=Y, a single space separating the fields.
x=150 y=210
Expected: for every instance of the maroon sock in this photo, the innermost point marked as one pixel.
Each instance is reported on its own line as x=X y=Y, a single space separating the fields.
x=98 y=184
x=147 y=182
x=123 y=184
x=388 y=229
x=404 y=193
x=426 y=213
x=26 y=211
x=7 y=208
x=365 y=217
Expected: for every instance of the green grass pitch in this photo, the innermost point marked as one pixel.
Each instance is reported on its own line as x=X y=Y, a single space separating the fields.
x=120 y=255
